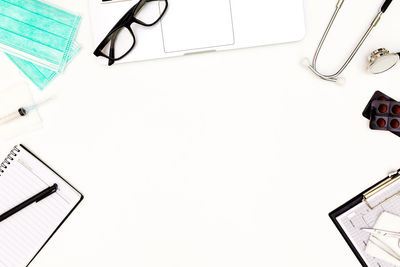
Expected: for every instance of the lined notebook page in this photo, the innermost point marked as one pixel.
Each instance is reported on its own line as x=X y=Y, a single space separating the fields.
x=24 y=234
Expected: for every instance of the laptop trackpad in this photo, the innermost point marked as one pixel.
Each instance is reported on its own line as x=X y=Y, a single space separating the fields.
x=193 y=24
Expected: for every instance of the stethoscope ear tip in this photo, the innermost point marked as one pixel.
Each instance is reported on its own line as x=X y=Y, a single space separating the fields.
x=305 y=62
x=341 y=81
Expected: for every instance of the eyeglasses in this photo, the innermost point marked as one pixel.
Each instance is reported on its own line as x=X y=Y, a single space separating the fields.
x=121 y=40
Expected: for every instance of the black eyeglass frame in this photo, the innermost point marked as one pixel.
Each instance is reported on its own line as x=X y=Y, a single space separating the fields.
x=126 y=22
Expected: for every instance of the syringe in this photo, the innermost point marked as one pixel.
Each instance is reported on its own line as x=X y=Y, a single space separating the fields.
x=21 y=112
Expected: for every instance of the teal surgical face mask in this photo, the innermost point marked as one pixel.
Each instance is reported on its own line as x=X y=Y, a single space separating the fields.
x=39 y=75
x=37 y=32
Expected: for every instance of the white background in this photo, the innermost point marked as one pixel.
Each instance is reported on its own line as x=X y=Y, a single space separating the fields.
x=222 y=159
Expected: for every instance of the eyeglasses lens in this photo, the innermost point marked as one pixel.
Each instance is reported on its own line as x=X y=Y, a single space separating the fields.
x=151 y=12
x=122 y=40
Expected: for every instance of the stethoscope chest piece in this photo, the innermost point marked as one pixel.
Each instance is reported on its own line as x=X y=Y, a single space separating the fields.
x=382 y=60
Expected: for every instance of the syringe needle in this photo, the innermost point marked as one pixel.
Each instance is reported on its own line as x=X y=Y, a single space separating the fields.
x=35 y=106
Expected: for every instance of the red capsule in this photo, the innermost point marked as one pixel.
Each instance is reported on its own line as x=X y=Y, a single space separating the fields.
x=395 y=124
x=382 y=108
x=381 y=123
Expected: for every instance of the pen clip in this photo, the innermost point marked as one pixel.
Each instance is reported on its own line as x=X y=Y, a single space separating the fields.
x=50 y=191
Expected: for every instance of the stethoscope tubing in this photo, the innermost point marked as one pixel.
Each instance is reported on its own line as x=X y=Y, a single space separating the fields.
x=334 y=77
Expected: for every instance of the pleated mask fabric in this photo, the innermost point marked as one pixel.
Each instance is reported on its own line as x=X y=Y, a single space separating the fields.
x=37 y=32
x=40 y=75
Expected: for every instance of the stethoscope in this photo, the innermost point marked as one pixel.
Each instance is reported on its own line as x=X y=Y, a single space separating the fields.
x=382 y=60
x=335 y=77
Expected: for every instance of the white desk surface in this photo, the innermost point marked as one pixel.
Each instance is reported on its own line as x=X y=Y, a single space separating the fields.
x=223 y=159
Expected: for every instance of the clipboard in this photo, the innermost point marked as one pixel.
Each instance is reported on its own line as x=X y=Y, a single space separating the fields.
x=364 y=197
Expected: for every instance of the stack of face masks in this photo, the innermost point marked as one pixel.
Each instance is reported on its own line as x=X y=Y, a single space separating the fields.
x=38 y=38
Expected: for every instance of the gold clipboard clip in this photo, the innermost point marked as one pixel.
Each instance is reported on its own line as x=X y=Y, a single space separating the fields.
x=391 y=179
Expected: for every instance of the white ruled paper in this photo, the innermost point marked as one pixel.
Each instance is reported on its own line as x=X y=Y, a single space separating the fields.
x=23 y=234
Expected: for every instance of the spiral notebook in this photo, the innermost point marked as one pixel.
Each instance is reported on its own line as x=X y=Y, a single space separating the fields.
x=24 y=234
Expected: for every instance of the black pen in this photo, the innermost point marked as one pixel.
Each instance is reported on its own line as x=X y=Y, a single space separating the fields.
x=36 y=198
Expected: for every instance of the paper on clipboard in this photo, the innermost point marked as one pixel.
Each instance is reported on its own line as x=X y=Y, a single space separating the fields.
x=360 y=216
x=387 y=222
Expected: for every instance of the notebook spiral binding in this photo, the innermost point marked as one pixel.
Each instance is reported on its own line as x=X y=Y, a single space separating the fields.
x=8 y=159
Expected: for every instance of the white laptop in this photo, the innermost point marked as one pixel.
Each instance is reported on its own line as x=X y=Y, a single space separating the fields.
x=193 y=26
